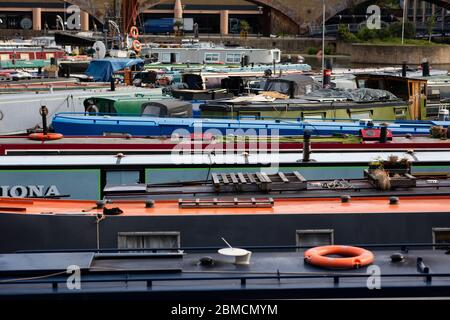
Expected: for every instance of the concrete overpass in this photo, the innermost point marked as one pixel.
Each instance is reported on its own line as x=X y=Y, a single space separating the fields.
x=300 y=13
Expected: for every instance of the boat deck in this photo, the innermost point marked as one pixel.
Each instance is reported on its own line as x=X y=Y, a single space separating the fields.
x=273 y=274
x=230 y=206
x=132 y=144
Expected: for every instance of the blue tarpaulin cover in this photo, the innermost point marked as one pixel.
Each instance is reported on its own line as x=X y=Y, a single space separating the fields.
x=103 y=69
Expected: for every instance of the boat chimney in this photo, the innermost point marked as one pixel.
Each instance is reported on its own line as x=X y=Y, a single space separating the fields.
x=327 y=71
x=44 y=113
x=306 y=146
x=404 y=69
x=383 y=134
x=425 y=68
x=68 y=71
x=113 y=84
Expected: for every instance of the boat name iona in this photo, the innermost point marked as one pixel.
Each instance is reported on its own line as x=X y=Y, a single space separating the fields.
x=29 y=191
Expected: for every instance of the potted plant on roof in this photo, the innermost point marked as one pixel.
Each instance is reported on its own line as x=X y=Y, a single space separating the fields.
x=178 y=25
x=245 y=28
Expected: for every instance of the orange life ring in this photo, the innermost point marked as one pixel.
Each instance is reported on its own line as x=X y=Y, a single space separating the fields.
x=354 y=257
x=43 y=137
x=137 y=46
x=134 y=32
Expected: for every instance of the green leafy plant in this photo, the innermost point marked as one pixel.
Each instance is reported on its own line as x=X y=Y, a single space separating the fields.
x=312 y=51
x=245 y=28
x=431 y=22
x=345 y=35
x=395 y=30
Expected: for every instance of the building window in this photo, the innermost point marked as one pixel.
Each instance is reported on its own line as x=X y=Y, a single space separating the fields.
x=212 y=57
x=313 y=238
x=234 y=58
x=441 y=235
x=148 y=240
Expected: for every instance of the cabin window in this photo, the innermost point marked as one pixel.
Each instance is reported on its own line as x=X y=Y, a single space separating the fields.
x=154 y=56
x=234 y=58
x=441 y=235
x=315 y=237
x=423 y=89
x=358 y=115
x=148 y=240
x=250 y=115
x=400 y=113
x=315 y=116
x=4 y=57
x=361 y=83
x=151 y=111
x=165 y=57
x=212 y=57
x=276 y=55
x=122 y=177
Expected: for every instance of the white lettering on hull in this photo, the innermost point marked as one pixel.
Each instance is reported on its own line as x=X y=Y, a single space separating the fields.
x=29 y=191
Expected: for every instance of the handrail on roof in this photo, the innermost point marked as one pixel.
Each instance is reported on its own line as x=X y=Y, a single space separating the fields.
x=402 y=246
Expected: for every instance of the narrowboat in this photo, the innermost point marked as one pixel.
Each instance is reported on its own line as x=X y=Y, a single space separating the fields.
x=79 y=124
x=368 y=140
x=84 y=176
x=126 y=224
x=241 y=273
x=139 y=105
x=19 y=113
x=201 y=53
x=397 y=99
x=27 y=50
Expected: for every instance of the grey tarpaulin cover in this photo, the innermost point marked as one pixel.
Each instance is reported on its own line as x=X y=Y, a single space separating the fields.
x=357 y=95
x=300 y=83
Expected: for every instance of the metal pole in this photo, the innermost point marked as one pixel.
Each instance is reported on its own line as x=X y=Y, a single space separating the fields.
x=323 y=36
x=403 y=19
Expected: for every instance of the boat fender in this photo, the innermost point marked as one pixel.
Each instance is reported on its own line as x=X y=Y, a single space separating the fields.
x=353 y=257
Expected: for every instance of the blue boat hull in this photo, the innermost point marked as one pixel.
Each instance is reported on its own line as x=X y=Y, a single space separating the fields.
x=76 y=125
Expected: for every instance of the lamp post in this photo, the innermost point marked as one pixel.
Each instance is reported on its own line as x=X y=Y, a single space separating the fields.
x=405 y=3
x=323 y=35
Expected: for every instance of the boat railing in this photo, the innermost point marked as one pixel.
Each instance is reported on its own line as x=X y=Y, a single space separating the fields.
x=128 y=277
x=401 y=246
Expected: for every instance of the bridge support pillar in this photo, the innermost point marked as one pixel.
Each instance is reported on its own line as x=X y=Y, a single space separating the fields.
x=37 y=19
x=84 y=20
x=444 y=12
x=424 y=8
x=224 y=22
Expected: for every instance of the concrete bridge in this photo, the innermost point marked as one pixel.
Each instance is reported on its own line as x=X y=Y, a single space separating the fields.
x=301 y=13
